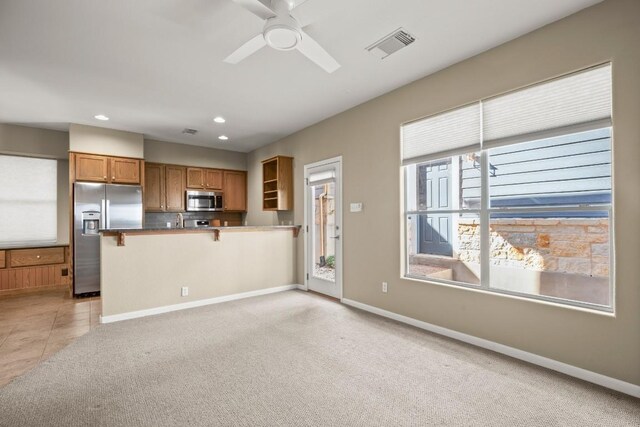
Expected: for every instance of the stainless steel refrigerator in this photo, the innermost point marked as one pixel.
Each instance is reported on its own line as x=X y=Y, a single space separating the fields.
x=99 y=206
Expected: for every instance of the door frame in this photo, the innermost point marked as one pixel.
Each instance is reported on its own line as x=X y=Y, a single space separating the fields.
x=305 y=227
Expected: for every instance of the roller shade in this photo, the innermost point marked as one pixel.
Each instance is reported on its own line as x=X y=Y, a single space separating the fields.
x=28 y=201
x=578 y=102
x=323 y=177
x=455 y=130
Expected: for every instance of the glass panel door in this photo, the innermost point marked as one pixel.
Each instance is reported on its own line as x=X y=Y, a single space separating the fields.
x=323 y=230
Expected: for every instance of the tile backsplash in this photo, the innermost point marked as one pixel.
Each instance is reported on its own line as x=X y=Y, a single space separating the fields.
x=160 y=219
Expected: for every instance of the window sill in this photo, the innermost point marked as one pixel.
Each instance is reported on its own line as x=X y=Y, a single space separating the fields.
x=577 y=306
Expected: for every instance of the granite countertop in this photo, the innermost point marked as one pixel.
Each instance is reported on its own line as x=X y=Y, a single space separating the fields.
x=221 y=228
x=33 y=246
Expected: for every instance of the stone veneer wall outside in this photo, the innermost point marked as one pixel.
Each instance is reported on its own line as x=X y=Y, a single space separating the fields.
x=563 y=245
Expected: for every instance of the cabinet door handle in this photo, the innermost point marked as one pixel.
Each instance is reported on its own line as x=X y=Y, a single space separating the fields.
x=113 y=177
x=37 y=256
x=105 y=177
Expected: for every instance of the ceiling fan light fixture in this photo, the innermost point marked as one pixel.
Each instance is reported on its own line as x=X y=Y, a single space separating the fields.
x=282 y=33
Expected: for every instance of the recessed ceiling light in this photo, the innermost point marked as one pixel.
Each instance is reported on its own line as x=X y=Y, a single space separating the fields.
x=219 y=119
x=101 y=117
x=223 y=137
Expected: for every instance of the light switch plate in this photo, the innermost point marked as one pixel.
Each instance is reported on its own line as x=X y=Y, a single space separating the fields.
x=355 y=207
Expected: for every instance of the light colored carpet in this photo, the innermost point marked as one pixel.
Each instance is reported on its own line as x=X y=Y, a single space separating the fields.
x=294 y=359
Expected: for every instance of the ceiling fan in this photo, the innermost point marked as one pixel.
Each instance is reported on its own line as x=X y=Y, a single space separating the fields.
x=282 y=32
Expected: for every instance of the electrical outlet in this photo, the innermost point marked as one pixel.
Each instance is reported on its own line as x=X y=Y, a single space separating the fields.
x=184 y=291
x=384 y=287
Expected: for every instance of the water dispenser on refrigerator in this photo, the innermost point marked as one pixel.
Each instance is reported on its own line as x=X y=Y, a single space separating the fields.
x=90 y=222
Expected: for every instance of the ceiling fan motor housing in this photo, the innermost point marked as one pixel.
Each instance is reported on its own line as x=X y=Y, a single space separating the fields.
x=282 y=32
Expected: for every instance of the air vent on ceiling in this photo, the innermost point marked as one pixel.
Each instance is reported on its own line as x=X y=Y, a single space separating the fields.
x=391 y=43
x=189 y=131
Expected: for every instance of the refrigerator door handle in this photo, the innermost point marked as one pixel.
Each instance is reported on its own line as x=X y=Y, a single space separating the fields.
x=103 y=213
x=108 y=216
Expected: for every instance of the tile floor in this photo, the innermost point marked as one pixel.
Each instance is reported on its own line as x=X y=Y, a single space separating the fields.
x=35 y=326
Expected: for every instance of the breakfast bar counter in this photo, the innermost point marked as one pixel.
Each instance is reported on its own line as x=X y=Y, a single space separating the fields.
x=121 y=233
x=151 y=271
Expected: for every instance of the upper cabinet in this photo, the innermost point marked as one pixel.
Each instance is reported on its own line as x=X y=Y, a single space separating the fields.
x=164 y=188
x=235 y=191
x=277 y=184
x=195 y=178
x=175 y=188
x=125 y=171
x=116 y=170
x=204 y=179
x=154 y=197
x=213 y=179
x=90 y=167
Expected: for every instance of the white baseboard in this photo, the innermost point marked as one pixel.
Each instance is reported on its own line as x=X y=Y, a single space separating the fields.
x=574 y=371
x=191 y=304
x=302 y=287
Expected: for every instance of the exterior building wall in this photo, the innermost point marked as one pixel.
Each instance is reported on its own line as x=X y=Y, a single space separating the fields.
x=562 y=245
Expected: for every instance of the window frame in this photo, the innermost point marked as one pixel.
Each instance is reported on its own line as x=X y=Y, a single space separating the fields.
x=484 y=215
x=485 y=211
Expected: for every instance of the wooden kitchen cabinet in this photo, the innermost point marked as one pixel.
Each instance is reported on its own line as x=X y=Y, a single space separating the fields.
x=195 y=178
x=125 y=171
x=204 y=179
x=277 y=184
x=25 y=270
x=154 y=192
x=112 y=170
x=164 y=188
x=174 y=188
x=90 y=167
x=235 y=191
x=39 y=256
x=213 y=179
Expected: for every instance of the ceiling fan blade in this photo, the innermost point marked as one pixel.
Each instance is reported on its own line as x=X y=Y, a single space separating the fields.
x=257 y=8
x=312 y=50
x=247 y=49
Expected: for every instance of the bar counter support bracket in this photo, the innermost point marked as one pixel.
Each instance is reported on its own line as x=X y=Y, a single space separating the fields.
x=216 y=235
x=121 y=239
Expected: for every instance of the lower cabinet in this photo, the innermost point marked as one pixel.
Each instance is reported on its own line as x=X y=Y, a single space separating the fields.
x=23 y=270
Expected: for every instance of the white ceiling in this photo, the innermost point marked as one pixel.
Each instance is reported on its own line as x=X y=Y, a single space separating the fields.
x=155 y=66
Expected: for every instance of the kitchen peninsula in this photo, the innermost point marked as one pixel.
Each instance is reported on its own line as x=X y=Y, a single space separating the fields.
x=146 y=271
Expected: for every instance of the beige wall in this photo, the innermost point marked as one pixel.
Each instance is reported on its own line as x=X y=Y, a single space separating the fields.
x=91 y=139
x=27 y=141
x=191 y=155
x=149 y=270
x=367 y=137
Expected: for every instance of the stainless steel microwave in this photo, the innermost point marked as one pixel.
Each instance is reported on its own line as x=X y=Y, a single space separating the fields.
x=204 y=200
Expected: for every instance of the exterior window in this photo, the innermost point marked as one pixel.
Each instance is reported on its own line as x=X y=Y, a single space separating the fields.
x=28 y=201
x=527 y=213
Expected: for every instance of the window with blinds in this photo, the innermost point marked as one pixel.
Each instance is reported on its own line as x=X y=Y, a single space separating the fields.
x=570 y=104
x=512 y=194
x=28 y=201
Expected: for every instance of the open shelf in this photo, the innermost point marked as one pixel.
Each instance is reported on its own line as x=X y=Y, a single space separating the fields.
x=277 y=184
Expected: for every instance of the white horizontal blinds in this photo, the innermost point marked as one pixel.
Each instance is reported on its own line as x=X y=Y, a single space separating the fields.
x=450 y=131
x=28 y=201
x=578 y=102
